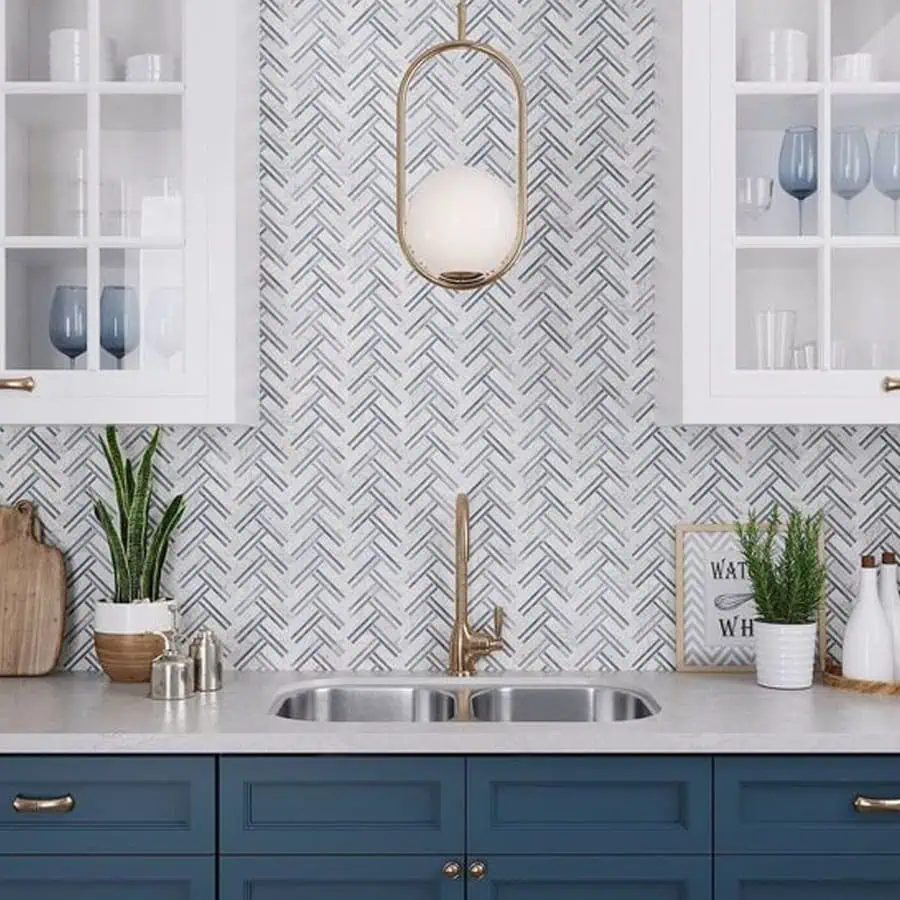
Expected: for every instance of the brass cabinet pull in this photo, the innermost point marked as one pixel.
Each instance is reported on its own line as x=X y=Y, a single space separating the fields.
x=17 y=384
x=874 y=804
x=452 y=870
x=63 y=804
x=890 y=384
x=478 y=870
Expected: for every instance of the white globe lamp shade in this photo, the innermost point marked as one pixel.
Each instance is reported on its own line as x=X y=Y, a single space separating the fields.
x=461 y=224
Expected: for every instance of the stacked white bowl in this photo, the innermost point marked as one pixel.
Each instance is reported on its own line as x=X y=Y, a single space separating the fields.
x=779 y=54
x=855 y=67
x=69 y=56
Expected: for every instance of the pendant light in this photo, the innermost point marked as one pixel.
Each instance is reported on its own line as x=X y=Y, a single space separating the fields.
x=463 y=228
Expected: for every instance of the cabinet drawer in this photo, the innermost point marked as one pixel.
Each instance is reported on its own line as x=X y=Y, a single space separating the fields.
x=108 y=878
x=588 y=805
x=160 y=805
x=343 y=805
x=807 y=878
x=338 y=878
x=805 y=804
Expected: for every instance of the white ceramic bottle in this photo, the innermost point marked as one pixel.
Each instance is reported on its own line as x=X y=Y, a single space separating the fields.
x=868 y=648
x=890 y=603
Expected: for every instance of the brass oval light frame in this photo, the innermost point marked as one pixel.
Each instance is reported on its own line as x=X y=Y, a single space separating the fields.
x=464 y=281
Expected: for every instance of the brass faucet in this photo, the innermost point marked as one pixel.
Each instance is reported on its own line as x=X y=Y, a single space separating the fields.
x=467 y=646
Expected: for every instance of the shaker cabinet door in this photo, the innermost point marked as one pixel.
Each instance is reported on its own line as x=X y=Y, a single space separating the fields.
x=107 y=878
x=338 y=878
x=592 y=878
x=807 y=877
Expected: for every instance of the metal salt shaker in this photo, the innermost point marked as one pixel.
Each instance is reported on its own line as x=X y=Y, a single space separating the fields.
x=206 y=652
x=171 y=674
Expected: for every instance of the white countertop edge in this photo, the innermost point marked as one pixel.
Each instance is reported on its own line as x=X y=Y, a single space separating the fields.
x=700 y=714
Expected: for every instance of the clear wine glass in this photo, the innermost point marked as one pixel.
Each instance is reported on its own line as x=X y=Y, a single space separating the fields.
x=851 y=164
x=798 y=165
x=164 y=321
x=887 y=169
x=120 y=325
x=68 y=321
x=753 y=198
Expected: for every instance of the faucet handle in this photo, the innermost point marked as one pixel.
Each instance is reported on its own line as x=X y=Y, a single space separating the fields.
x=499 y=618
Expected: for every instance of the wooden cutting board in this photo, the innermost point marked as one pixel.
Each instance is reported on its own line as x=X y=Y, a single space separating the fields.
x=32 y=595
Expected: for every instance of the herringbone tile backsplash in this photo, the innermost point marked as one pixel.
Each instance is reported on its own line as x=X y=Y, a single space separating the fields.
x=323 y=540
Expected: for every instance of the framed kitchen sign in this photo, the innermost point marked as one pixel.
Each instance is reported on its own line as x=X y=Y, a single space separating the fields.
x=714 y=608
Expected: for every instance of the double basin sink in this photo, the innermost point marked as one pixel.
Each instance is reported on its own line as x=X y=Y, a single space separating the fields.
x=377 y=703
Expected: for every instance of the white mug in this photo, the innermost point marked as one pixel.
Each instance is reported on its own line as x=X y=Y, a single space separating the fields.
x=69 y=54
x=150 y=67
x=780 y=54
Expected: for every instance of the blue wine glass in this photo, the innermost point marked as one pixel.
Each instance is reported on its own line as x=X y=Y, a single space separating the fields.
x=798 y=165
x=851 y=164
x=887 y=169
x=120 y=325
x=68 y=321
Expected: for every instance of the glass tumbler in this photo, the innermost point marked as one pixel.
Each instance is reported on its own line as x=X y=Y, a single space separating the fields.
x=775 y=329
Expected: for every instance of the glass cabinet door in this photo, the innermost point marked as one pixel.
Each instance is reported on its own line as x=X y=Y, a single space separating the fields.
x=805 y=193
x=96 y=161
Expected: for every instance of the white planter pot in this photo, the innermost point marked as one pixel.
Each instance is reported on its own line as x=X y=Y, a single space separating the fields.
x=134 y=618
x=785 y=655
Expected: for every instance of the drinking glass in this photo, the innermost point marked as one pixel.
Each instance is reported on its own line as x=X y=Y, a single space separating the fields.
x=164 y=321
x=68 y=321
x=775 y=339
x=887 y=169
x=806 y=356
x=851 y=164
x=798 y=165
x=754 y=197
x=119 y=321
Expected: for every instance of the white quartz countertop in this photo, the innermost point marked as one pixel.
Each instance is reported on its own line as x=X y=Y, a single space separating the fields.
x=84 y=713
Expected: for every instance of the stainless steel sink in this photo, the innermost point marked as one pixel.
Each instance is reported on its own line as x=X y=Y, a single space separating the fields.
x=560 y=704
x=369 y=704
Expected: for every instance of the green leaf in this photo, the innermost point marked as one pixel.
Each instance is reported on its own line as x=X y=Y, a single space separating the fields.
x=129 y=482
x=138 y=514
x=159 y=546
x=113 y=455
x=116 y=552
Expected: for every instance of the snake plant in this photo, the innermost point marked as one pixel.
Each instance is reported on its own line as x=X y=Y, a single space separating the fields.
x=138 y=552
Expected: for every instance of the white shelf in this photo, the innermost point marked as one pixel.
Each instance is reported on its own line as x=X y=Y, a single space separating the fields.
x=40 y=242
x=115 y=88
x=778 y=88
x=777 y=242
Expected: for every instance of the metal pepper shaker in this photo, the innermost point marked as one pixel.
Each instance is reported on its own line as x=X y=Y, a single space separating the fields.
x=171 y=674
x=206 y=652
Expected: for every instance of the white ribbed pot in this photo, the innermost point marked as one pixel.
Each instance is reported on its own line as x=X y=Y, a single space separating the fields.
x=785 y=655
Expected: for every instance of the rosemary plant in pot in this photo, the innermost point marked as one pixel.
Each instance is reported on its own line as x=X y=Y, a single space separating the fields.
x=788 y=579
x=138 y=551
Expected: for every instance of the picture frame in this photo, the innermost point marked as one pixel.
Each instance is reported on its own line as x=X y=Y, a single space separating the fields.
x=714 y=610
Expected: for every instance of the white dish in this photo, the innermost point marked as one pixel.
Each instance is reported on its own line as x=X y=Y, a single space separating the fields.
x=150 y=67
x=854 y=67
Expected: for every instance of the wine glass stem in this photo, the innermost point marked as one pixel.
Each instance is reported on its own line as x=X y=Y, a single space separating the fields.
x=800 y=216
x=847 y=202
x=897 y=217
x=71 y=362
x=120 y=362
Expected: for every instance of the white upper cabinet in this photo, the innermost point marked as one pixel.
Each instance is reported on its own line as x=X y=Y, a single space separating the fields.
x=128 y=211
x=779 y=211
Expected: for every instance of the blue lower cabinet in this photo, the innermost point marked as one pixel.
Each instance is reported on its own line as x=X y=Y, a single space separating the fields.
x=342 y=805
x=807 y=878
x=593 y=878
x=108 y=878
x=589 y=805
x=338 y=878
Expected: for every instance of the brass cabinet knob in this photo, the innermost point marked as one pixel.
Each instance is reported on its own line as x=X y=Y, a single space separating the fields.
x=64 y=804
x=452 y=870
x=890 y=384
x=874 y=804
x=478 y=869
